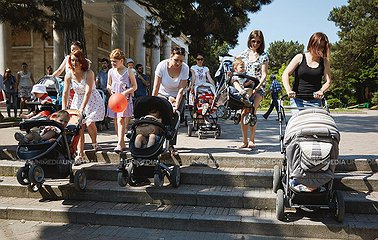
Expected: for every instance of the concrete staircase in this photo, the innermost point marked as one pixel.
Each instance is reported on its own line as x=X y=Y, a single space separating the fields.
x=217 y=194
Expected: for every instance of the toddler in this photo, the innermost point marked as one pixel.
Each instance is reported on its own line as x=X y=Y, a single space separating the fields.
x=39 y=91
x=240 y=86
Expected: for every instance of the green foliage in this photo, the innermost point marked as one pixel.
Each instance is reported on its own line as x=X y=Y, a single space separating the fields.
x=334 y=103
x=374 y=100
x=281 y=52
x=207 y=23
x=354 y=58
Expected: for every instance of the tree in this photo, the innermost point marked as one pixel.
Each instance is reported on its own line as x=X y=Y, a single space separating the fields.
x=281 y=52
x=354 y=58
x=34 y=15
x=208 y=23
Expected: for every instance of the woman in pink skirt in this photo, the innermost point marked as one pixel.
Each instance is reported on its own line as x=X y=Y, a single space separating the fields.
x=121 y=80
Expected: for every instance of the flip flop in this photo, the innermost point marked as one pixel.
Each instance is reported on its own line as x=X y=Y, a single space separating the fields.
x=244 y=146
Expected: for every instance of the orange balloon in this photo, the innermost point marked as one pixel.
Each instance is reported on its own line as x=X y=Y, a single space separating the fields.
x=117 y=102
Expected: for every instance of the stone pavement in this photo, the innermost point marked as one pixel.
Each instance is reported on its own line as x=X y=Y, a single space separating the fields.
x=32 y=230
x=359 y=138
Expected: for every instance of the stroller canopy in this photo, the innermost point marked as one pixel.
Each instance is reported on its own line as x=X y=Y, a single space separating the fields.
x=144 y=105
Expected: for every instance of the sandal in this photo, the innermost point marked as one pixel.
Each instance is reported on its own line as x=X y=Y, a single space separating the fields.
x=96 y=147
x=244 y=145
x=251 y=144
x=78 y=160
x=119 y=149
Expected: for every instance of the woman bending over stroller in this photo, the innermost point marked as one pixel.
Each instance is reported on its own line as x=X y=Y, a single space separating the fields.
x=148 y=134
x=171 y=76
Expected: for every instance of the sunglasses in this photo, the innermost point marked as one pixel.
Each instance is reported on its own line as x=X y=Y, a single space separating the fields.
x=254 y=41
x=199 y=59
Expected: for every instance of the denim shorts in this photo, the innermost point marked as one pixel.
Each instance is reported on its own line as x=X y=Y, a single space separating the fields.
x=298 y=102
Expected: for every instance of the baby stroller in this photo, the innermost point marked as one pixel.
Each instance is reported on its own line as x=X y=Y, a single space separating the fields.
x=145 y=162
x=53 y=88
x=229 y=104
x=204 y=121
x=50 y=159
x=105 y=122
x=310 y=148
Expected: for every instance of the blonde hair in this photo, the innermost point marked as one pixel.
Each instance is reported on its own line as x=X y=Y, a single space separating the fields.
x=118 y=54
x=237 y=62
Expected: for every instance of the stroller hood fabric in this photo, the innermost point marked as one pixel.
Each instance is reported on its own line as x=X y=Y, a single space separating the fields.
x=312 y=146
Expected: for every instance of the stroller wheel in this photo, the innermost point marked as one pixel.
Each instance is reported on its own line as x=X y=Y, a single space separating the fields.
x=158 y=180
x=237 y=118
x=280 y=208
x=80 y=180
x=176 y=176
x=339 y=205
x=123 y=178
x=276 y=178
x=33 y=187
x=250 y=119
x=190 y=129
x=22 y=176
x=36 y=174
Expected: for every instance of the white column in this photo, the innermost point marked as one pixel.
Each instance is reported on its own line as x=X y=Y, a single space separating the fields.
x=118 y=26
x=58 y=51
x=3 y=47
x=167 y=47
x=140 y=50
x=155 y=56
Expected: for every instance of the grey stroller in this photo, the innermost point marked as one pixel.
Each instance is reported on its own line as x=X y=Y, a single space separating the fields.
x=310 y=145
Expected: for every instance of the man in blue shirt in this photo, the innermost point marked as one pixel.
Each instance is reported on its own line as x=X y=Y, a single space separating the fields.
x=142 y=82
x=102 y=76
x=275 y=88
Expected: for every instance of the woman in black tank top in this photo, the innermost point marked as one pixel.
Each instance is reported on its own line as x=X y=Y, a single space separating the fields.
x=310 y=68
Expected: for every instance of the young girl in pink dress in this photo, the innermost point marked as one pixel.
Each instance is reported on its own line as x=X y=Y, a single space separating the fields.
x=121 y=80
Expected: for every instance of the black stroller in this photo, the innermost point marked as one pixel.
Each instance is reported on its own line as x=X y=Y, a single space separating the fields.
x=310 y=148
x=50 y=159
x=145 y=162
x=228 y=104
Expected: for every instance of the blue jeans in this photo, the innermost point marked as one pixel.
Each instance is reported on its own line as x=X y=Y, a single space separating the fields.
x=297 y=102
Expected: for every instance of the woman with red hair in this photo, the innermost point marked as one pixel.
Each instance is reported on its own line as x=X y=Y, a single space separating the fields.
x=86 y=98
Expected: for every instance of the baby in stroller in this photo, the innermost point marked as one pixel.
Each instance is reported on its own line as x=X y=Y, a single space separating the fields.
x=50 y=154
x=235 y=91
x=145 y=162
x=148 y=134
x=48 y=133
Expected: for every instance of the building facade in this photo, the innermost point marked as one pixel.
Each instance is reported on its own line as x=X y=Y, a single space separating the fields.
x=108 y=24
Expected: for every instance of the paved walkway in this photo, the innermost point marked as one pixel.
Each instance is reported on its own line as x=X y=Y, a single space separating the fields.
x=359 y=138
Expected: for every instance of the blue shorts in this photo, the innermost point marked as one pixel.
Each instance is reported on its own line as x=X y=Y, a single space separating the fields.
x=298 y=102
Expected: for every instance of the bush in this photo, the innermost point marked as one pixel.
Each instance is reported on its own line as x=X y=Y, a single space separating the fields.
x=374 y=100
x=334 y=103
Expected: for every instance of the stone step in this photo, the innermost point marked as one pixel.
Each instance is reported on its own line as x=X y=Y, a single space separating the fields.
x=216 y=160
x=298 y=224
x=195 y=195
x=234 y=177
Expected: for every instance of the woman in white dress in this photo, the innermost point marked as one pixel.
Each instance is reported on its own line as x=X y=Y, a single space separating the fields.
x=86 y=98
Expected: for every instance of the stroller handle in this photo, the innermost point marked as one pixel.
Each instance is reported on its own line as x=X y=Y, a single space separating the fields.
x=299 y=95
x=39 y=103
